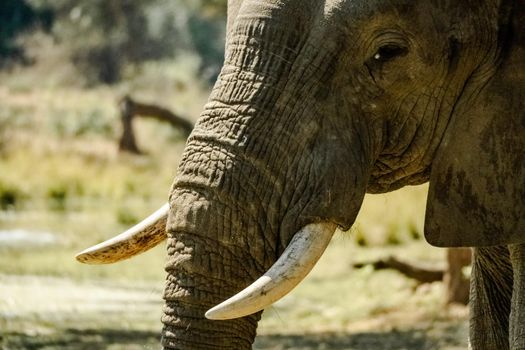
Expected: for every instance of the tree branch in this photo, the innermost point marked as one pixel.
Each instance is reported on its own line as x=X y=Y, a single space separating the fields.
x=129 y=109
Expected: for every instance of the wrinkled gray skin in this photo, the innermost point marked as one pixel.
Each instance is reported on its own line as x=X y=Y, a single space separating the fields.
x=319 y=102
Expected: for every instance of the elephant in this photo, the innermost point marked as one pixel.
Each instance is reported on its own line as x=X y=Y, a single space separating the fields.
x=318 y=103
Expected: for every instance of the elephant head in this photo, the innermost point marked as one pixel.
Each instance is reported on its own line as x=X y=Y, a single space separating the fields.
x=319 y=102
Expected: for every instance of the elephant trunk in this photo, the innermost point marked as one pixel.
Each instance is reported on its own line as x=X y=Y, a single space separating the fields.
x=266 y=159
x=187 y=296
x=208 y=261
x=259 y=166
x=184 y=327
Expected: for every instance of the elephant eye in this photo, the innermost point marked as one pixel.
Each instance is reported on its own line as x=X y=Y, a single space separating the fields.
x=389 y=52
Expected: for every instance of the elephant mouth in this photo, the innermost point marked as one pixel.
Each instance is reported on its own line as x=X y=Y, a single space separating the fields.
x=297 y=260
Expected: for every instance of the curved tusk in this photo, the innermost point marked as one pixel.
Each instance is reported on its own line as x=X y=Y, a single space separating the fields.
x=301 y=255
x=141 y=237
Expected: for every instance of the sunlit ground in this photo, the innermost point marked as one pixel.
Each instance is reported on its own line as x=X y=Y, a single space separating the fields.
x=64 y=187
x=49 y=301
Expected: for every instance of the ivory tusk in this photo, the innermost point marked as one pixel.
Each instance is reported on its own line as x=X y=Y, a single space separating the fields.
x=301 y=255
x=138 y=239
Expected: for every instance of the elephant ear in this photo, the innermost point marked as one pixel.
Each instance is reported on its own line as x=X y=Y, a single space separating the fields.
x=477 y=181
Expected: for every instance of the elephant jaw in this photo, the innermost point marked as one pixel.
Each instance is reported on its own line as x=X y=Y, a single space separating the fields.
x=297 y=260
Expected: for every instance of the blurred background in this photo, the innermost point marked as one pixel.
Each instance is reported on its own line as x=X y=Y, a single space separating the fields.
x=77 y=166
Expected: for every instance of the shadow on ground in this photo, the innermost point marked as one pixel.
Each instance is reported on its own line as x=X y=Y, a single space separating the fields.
x=449 y=338
x=82 y=340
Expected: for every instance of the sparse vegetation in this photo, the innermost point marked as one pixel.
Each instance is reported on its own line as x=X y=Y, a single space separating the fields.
x=10 y=196
x=16 y=17
x=61 y=177
x=362 y=309
x=86 y=192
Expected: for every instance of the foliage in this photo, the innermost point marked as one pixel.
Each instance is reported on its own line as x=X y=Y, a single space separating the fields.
x=118 y=34
x=10 y=196
x=5 y=122
x=79 y=123
x=17 y=16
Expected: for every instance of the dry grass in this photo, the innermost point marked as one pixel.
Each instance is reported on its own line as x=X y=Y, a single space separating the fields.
x=119 y=306
x=60 y=173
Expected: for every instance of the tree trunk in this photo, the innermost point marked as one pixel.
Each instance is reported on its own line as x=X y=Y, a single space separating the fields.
x=456 y=284
x=129 y=109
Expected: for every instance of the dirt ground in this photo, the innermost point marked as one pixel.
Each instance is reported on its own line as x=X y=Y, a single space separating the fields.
x=58 y=313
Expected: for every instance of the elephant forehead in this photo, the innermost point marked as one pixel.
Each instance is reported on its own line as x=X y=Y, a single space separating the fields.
x=308 y=12
x=291 y=10
x=388 y=12
x=301 y=10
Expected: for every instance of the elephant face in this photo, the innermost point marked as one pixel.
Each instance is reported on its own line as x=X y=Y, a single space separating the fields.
x=319 y=102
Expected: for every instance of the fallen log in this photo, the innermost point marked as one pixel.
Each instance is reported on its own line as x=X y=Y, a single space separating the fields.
x=411 y=270
x=456 y=284
x=129 y=109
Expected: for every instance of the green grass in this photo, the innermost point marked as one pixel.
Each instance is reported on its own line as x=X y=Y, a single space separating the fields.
x=65 y=176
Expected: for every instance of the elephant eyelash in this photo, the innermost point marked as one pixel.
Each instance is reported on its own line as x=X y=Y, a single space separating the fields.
x=384 y=54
